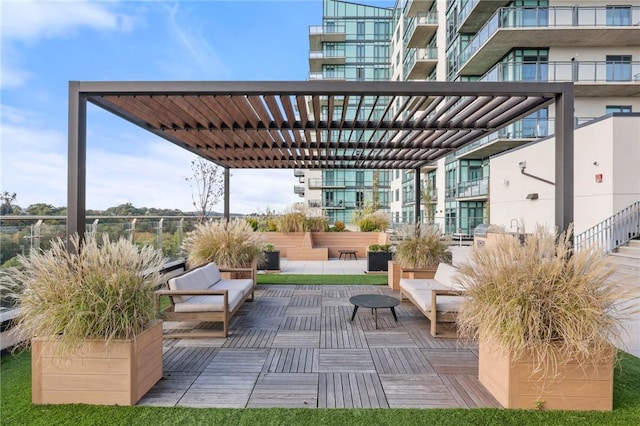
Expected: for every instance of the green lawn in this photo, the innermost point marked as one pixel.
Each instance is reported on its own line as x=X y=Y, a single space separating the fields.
x=378 y=279
x=16 y=409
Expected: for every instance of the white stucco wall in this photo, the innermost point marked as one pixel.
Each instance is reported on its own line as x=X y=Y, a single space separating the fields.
x=612 y=143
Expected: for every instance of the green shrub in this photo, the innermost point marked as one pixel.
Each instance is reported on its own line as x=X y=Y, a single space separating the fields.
x=376 y=221
x=253 y=222
x=268 y=247
x=94 y=291
x=231 y=244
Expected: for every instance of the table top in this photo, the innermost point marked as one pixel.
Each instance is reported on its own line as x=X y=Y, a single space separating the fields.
x=374 y=301
x=347 y=251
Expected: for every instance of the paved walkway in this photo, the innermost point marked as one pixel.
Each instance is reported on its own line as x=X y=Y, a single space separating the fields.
x=295 y=346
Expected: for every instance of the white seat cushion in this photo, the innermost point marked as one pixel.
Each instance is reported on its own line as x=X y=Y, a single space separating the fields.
x=207 y=303
x=412 y=284
x=444 y=303
x=192 y=280
x=243 y=284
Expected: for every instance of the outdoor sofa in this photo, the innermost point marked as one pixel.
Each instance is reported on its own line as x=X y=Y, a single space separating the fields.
x=202 y=295
x=438 y=299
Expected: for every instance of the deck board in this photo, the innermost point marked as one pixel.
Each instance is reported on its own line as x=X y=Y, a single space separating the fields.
x=296 y=346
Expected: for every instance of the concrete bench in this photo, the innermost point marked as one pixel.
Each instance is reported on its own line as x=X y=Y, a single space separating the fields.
x=202 y=295
x=438 y=298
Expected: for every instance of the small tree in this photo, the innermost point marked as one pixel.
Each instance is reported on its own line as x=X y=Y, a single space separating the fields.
x=6 y=202
x=207 y=186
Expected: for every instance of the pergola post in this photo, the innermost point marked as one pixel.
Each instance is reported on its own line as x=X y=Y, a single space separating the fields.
x=227 y=176
x=77 y=160
x=564 y=168
x=416 y=196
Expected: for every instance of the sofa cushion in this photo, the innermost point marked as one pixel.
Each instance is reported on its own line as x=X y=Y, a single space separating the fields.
x=245 y=285
x=206 y=303
x=191 y=280
x=412 y=284
x=211 y=272
x=446 y=275
x=422 y=298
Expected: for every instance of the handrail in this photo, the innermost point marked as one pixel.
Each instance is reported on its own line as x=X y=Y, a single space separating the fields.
x=612 y=232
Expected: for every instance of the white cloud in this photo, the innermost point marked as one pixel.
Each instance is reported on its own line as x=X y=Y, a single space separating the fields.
x=34 y=165
x=33 y=20
x=188 y=35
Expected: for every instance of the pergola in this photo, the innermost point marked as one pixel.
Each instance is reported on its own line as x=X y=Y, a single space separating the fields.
x=320 y=125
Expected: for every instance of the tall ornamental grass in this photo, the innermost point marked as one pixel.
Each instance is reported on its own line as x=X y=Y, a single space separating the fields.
x=231 y=244
x=541 y=299
x=98 y=290
x=424 y=248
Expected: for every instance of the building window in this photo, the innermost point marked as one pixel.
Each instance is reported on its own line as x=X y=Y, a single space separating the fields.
x=618 y=15
x=381 y=30
x=360 y=55
x=397 y=198
x=618 y=108
x=618 y=67
x=360 y=31
x=360 y=74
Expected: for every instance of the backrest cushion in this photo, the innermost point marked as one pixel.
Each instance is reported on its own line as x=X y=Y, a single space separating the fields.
x=445 y=274
x=211 y=273
x=192 y=280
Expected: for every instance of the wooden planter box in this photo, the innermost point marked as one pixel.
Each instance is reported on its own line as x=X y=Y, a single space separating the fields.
x=378 y=260
x=118 y=375
x=514 y=384
x=273 y=261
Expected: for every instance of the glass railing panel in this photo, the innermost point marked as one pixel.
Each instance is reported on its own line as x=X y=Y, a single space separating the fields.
x=537 y=17
x=474 y=188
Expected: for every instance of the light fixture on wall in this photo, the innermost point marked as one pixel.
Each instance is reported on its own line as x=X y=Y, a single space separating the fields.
x=595 y=163
x=532 y=196
x=505 y=182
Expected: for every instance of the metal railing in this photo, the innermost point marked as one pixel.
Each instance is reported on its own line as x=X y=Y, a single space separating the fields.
x=566 y=71
x=542 y=17
x=612 y=232
x=23 y=234
x=474 y=188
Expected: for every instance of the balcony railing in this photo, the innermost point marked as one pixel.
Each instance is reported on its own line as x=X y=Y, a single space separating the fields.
x=326 y=29
x=428 y=21
x=320 y=54
x=541 y=17
x=474 y=188
x=566 y=71
x=419 y=54
x=298 y=189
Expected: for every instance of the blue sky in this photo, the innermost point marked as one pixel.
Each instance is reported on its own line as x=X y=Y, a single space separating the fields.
x=45 y=44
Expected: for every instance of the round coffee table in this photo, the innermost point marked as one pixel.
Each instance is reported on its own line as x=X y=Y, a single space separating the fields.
x=374 y=301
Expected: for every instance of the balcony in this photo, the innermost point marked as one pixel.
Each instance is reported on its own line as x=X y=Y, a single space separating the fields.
x=548 y=26
x=323 y=76
x=298 y=189
x=476 y=12
x=420 y=63
x=318 y=58
x=421 y=29
x=319 y=34
x=473 y=189
x=298 y=173
x=512 y=136
x=414 y=7
x=592 y=78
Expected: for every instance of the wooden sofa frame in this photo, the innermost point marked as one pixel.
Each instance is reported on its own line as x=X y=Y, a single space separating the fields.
x=438 y=289
x=168 y=314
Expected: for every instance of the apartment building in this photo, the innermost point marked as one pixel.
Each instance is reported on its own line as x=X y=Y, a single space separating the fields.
x=595 y=44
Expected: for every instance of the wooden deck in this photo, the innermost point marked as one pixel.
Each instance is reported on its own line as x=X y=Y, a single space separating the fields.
x=295 y=346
